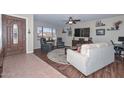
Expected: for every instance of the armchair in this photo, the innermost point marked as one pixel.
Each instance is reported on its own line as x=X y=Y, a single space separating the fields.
x=60 y=43
x=46 y=47
x=117 y=49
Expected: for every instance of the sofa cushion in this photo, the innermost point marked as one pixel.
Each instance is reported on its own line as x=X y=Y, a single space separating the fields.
x=86 y=48
x=98 y=45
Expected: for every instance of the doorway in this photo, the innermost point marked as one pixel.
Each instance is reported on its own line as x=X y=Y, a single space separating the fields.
x=14 y=35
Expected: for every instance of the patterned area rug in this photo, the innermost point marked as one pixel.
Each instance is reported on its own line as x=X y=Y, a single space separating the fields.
x=58 y=56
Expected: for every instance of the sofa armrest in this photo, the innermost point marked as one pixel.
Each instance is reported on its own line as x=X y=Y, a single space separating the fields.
x=77 y=60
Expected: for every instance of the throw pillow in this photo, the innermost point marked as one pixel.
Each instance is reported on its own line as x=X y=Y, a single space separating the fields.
x=79 y=49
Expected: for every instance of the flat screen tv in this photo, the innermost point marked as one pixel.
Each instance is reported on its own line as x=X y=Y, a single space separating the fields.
x=121 y=39
x=77 y=33
x=82 y=32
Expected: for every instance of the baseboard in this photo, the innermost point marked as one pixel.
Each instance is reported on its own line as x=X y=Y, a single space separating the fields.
x=29 y=52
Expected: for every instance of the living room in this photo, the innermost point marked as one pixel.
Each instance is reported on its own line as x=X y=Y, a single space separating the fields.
x=102 y=29
x=58 y=39
x=86 y=36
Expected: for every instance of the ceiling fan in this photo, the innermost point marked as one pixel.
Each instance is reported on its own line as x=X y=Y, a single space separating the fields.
x=72 y=21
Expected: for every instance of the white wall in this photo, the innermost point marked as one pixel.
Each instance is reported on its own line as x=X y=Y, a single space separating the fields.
x=40 y=24
x=29 y=37
x=67 y=39
x=109 y=35
x=29 y=26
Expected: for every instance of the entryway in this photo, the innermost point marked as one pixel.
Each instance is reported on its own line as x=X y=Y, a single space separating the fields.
x=14 y=35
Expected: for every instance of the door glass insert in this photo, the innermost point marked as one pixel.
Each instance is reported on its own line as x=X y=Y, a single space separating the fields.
x=15 y=34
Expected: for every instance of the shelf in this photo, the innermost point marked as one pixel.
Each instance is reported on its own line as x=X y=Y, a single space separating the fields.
x=112 y=30
x=101 y=26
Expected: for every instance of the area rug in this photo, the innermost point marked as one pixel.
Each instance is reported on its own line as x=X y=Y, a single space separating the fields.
x=58 y=56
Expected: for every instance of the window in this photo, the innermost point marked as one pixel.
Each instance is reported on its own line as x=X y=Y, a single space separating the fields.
x=48 y=33
x=39 y=31
x=15 y=34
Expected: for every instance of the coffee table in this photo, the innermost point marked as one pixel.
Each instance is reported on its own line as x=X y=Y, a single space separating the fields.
x=70 y=47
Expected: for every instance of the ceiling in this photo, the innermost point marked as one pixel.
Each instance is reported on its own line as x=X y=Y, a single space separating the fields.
x=59 y=20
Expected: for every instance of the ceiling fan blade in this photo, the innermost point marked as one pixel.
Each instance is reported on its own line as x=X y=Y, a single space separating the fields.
x=66 y=22
x=74 y=22
x=77 y=20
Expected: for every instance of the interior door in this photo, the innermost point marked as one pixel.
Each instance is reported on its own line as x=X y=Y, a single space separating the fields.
x=14 y=34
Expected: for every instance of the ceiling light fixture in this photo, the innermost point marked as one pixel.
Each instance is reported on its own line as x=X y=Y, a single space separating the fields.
x=72 y=21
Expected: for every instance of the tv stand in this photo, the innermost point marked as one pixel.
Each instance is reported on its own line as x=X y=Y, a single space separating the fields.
x=76 y=42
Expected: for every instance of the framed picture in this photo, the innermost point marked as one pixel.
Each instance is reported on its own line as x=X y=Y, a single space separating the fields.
x=100 y=31
x=69 y=31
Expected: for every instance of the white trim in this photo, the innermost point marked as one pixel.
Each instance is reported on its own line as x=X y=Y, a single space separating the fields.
x=29 y=52
x=26 y=30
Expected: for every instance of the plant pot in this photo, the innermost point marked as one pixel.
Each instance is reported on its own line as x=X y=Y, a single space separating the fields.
x=117 y=27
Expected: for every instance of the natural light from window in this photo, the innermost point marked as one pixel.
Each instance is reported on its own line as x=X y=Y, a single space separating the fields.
x=46 y=32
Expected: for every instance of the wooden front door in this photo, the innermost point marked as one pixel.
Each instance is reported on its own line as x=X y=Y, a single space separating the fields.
x=14 y=35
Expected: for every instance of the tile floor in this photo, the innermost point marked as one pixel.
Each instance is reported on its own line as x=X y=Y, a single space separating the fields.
x=28 y=66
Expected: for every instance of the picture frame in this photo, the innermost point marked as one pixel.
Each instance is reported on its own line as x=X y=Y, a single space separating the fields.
x=100 y=31
x=69 y=31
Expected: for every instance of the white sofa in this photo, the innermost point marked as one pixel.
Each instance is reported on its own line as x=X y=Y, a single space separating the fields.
x=91 y=58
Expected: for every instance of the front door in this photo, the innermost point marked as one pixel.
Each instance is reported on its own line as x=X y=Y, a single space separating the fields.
x=14 y=34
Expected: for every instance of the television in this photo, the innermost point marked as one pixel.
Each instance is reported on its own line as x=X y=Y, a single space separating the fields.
x=121 y=39
x=77 y=33
x=82 y=32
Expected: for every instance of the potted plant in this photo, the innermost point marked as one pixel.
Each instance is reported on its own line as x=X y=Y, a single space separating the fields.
x=117 y=24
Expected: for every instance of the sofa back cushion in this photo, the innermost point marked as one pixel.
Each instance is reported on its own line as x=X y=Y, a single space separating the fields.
x=98 y=45
x=86 y=48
